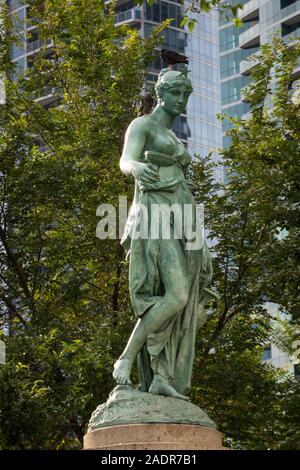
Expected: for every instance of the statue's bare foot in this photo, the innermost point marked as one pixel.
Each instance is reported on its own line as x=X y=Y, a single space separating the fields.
x=160 y=386
x=121 y=373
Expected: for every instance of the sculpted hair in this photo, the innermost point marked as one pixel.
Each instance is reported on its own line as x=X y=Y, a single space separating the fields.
x=169 y=79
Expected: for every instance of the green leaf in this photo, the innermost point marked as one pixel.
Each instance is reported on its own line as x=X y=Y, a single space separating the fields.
x=184 y=21
x=191 y=25
x=238 y=23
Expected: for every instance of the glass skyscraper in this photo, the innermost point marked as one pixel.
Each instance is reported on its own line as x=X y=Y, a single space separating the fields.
x=262 y=19
x=198 y=127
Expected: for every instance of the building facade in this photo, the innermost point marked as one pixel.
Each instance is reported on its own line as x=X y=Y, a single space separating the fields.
x=198 y=127
x=272 y=352
x=262 y=20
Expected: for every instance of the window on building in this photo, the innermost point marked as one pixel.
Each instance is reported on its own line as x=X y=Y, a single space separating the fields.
x=164 y=11
x=18 y=48
x=230 y=63
x=226 y=141
x=14 y=4
x=286 y=3
x=237 y=110
x=229 y=38
x=290 y=28
x=18 y=20
x=223 y=18
x=231 y=89
x=158 y=12
x=267 y=353
x=19 y=69
x=125 y=6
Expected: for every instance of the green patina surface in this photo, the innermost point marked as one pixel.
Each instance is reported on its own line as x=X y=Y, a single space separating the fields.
x=128 y=406
x=169 y=273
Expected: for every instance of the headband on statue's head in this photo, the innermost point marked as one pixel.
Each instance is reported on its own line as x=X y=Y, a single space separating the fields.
x=168 y=79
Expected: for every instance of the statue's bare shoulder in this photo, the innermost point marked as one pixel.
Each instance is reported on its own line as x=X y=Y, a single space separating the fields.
x=140 y=125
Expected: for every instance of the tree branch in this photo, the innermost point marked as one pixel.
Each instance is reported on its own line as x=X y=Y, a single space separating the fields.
x=15 y=265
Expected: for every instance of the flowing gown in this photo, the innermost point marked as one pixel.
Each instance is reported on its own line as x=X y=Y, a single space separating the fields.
x=169 y=351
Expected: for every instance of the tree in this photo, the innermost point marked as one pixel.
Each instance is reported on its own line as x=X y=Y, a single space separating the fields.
x=253 y=221
x=64 y=291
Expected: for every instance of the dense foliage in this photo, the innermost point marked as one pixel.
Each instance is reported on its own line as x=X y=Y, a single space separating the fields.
x=63 y=292
x=254 y=225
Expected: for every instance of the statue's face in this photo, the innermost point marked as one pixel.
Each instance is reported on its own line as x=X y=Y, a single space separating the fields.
x=174 y=100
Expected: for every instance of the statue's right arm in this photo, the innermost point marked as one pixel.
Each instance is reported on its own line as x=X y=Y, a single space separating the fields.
x=135 y=139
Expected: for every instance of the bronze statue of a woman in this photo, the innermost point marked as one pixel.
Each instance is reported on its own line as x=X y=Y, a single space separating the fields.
x=168 y=278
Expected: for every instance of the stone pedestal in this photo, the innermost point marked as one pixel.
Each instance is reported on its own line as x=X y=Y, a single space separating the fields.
x=134 y=420
x=153 y=437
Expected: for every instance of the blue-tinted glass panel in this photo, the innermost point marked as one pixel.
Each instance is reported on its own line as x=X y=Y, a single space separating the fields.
x=13 y=4
x=230 y=63
x=160 y=11
x=267 y=353
x=125 y=6
x=231 y=89
x=18 y=49
x=286 y=3
x=229 y=37
x=18 y=20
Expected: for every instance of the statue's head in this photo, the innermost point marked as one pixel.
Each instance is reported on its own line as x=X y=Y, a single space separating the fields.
x=173 y=89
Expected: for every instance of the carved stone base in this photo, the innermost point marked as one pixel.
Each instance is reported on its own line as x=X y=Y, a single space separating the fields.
x=154 y=437
x=126 y=405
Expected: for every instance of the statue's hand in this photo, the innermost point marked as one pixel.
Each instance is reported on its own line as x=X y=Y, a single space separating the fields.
x=144 y=173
